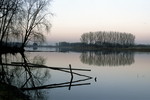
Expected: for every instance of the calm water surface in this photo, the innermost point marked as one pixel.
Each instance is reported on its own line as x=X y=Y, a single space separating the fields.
x=120 y=76
x=116 y=75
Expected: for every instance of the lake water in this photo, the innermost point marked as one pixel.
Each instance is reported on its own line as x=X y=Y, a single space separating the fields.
x=116 y=75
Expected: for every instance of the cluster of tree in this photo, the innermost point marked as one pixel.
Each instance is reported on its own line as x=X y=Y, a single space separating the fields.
x=103 y=38
x=23 y=20
x=104 y=58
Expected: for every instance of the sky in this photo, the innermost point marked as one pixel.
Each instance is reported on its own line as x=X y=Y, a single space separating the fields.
x=72 y=18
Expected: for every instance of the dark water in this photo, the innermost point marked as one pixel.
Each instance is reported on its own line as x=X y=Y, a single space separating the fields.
x=116 y=75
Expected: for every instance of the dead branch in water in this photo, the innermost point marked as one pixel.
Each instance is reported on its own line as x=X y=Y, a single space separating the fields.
x=43 y=66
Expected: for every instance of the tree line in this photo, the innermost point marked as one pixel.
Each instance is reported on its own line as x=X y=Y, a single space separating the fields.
x=103 y=38
x=23 y=20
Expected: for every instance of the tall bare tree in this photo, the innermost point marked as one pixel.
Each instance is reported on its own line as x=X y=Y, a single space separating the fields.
x=8 y=11
x=34 y=19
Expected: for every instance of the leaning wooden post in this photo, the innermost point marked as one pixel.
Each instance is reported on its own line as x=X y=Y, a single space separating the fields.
x=71 y=76
x=70 y=70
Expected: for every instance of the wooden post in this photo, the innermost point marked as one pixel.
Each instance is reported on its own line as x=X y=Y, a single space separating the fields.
x=70 y=70
x=71 y=77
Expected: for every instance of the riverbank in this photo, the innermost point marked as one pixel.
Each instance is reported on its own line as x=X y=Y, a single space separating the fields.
x=8 y=49
x=94 y=48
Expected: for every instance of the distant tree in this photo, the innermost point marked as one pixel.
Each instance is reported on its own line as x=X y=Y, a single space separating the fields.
x=35 y=44
x=91 y=37
x=103 y=38
x=84 y=38
x=64 y=44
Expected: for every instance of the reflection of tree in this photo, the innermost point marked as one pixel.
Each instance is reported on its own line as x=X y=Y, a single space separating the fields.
x=17 y=70
x=22 y=76
x=39 y=60
x=107 y=58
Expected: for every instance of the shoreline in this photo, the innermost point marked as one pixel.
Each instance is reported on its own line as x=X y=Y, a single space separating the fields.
x=88 y=48
x=7 y=49
x=133 y=49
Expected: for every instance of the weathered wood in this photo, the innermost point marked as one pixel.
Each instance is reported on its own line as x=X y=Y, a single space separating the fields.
x=71 y=77
x=43 y=66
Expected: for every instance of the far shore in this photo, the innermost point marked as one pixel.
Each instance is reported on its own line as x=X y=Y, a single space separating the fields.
x=136 y=49
x=93 y=48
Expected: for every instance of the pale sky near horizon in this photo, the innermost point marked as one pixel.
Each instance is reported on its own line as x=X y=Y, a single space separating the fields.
x=75 y=17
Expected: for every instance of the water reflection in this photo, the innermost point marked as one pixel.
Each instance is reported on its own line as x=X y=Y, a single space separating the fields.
x=22 y=76
x=31 y=74
x=105 y=58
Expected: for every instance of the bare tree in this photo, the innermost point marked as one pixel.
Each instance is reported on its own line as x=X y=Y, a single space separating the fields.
x=91 y=37
x=8 y=11
x=33 y=19
x=84 y=38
